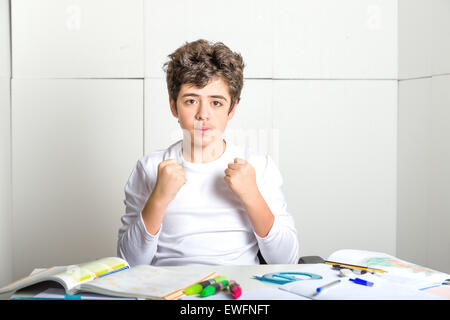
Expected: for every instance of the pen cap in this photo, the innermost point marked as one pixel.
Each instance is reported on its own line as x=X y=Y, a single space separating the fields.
x=232 y=284
x=213 y=288
x=362 y=282
x=209 y=290
x=194 y=289
x=235 y=289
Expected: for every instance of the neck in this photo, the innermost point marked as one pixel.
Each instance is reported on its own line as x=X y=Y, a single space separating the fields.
x=202 y=154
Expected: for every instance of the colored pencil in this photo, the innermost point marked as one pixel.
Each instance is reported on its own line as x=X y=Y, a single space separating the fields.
x=356 y=267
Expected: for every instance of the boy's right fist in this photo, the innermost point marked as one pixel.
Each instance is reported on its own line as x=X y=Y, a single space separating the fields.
x=171 y=177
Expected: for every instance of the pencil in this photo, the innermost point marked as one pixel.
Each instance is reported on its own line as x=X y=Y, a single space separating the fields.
x=355 y=267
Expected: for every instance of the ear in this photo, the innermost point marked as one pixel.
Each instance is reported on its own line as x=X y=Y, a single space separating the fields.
x=173 y=108
x=231 y=114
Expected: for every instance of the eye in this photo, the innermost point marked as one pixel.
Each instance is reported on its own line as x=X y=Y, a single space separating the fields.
x=216 y=104
x=190 y=101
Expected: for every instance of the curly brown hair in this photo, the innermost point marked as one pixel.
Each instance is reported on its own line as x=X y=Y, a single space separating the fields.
x=197 y=62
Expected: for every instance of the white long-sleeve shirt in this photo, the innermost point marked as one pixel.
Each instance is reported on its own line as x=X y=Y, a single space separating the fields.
x=206 y=223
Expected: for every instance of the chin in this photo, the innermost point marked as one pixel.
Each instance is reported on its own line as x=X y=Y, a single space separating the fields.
x=205 y=140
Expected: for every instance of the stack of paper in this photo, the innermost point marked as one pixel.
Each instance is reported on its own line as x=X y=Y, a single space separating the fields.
x=401 y=281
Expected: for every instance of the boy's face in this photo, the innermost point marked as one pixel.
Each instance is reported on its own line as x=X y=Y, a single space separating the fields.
x=203 y=112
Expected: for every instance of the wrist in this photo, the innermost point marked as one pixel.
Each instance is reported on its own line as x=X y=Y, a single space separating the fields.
x=259 y=213
x=251 y=197
x=158 y=199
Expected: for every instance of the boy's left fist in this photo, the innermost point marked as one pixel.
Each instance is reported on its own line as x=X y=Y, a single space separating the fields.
x=241 y=178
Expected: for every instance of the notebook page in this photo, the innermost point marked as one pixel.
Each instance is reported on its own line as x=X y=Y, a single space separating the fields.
x=143 y=281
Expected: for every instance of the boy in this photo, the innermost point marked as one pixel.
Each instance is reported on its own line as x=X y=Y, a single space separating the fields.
x=204 y=200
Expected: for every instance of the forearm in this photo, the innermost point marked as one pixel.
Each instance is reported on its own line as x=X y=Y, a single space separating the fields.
x=259 y=213
x=153 y=212
x=138 y=238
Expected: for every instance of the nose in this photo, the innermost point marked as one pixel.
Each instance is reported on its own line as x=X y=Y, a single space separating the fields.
x=203 y=111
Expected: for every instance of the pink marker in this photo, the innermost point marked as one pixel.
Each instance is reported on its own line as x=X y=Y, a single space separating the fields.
x=235 y=289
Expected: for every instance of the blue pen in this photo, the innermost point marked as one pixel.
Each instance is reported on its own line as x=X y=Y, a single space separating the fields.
x=320 y=289
x=362 y=282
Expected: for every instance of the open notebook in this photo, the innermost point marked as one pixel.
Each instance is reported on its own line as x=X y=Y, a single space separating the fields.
x=113 y=277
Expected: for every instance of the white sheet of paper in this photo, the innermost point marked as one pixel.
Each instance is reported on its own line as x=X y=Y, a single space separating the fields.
x=347 y=290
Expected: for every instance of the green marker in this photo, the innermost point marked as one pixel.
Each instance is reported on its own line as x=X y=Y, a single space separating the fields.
x=213 y=288
x=198 y=287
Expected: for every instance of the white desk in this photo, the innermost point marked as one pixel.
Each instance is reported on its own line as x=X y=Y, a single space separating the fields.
x=252 y=289
x=241 y=274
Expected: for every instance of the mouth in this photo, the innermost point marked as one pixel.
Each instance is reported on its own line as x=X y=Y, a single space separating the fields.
x=202 y=130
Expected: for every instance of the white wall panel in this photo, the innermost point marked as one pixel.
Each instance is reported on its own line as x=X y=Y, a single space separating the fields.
x=252 y=123
x=5 y=184
x=441 y=37
x=414 y=170
x=75 y=143
x=414 y=38
x=338 y=159
x=77 y=38
x=244 y=26
x=161 y=127
x=6 y=266
x=330 y=39
x=5 y=58
x=439 y=215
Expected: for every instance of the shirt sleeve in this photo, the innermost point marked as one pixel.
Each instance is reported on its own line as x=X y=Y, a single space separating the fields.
x=135 y=244
x=280 y=245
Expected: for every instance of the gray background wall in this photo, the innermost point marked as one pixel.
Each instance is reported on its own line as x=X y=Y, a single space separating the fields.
x=350 y=98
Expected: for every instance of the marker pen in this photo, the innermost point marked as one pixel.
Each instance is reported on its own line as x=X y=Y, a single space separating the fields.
x=235 y=289
x=198 y=287
x=362 y=282
x=213 y=288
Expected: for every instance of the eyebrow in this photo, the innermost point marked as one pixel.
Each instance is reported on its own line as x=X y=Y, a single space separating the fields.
x=197 y=95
